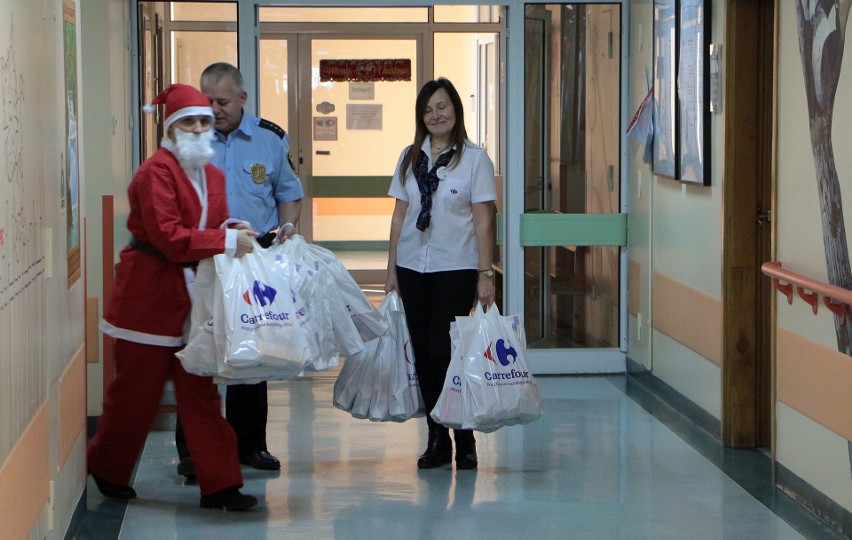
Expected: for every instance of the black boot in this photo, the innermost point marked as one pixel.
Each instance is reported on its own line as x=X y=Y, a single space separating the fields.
x=439 y=448
x=465 y=449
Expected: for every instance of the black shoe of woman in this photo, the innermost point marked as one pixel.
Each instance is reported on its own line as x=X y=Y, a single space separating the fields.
x=466 y=455
x=439 y=451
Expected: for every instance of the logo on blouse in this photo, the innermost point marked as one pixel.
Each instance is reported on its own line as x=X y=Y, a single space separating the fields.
x=505 y=351
x=263 y=294
x=258 y=172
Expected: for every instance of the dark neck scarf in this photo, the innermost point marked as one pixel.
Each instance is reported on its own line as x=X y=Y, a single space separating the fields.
x=427 y=181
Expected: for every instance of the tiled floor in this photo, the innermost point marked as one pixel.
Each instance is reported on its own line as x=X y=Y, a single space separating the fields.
x=597 y=465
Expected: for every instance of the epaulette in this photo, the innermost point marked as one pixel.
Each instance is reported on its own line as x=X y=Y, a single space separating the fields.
x=272 y=126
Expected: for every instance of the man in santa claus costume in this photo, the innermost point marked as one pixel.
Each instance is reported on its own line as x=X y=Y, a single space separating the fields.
x=178 y=216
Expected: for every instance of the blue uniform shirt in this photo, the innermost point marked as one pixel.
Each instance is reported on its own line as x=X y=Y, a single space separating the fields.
x=258 y=175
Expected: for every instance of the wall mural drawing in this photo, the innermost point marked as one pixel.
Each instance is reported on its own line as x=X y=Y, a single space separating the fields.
x=822 y=36
x=20 y=259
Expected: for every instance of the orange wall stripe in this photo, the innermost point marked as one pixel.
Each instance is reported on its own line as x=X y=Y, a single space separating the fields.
x=72 y=405
x=688 y=316
x=814 y=380
x=93 y=317
x=24 y=481
x=354 y=207
x=108 y=267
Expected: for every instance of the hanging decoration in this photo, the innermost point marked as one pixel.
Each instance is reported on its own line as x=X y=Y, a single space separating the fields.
x=395 y=69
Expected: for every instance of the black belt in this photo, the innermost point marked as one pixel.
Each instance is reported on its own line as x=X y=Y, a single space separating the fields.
x=148 y=249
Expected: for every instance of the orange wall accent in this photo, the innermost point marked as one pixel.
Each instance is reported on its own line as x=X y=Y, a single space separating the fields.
x=814 y=380
x=93 y=316
x=354 y=207
x=72 y=405
x=24 y=481
x=108 y=256
x=688 y=316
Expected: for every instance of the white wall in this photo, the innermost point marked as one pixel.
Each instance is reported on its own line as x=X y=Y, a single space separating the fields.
x=808 y=444
x=675 y=230
x=41 y=312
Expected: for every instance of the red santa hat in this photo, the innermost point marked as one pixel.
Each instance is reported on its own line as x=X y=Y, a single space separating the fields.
x=181 y=100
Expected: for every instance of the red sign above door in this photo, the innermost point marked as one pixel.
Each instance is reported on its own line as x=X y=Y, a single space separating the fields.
x=396 y=69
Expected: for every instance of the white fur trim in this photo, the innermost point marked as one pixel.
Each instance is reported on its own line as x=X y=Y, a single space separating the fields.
x=149 y=108
x=141 y=337
x=188 y=111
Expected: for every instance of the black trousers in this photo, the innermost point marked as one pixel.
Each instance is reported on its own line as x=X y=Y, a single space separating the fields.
x=432 y=301
x=246 y=406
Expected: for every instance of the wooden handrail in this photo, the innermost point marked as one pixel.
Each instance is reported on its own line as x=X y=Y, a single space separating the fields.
x=836 y=299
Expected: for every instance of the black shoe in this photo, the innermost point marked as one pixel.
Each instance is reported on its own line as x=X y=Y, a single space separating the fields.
x=439 y=451
x=228 y=499
x=186 y=467
x=114 y=491
x=260 y=459
x=466 y=456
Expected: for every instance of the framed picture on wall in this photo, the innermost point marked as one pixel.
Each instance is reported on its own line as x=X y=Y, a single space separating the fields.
x=664 y=155
x=693 y=73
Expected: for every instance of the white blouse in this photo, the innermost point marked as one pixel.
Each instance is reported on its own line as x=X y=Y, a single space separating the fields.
x=449 y=242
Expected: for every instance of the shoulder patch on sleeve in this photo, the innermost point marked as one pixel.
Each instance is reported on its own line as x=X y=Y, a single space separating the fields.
x=273 y=127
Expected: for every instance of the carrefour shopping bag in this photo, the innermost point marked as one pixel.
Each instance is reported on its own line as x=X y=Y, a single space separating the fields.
x=405 y=400
x=261 y=315
x=308 y=281
x=379 y=382
x=449 y=409
x=495 y=385
x=199 y=356
x=365 y=316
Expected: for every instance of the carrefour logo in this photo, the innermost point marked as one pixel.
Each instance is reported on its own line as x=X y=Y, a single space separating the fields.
x=263 y=294
x=506 y=355
x=505 y=351
x=405 y=350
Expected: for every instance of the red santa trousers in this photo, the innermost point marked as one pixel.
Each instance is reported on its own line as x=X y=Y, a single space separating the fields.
x=131 y=404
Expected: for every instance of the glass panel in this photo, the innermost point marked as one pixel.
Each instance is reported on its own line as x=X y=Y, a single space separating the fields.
x=204 y=11
x=572 y=166
x=467 y=14
x=194 y=51
x=362 y=136
x=579 y=295
x=474 y=76
x=274 y=81
x=343 y=15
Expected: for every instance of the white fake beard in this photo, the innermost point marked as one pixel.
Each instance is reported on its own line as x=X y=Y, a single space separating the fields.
x=192 y=150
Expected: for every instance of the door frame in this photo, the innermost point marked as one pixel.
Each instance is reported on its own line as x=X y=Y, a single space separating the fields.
x=748 y=191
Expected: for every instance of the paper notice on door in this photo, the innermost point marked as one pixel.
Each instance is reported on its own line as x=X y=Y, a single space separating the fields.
x=362 y=90
x=363 y=116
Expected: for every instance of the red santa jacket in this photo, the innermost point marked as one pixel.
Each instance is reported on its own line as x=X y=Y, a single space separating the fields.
x=150 y=302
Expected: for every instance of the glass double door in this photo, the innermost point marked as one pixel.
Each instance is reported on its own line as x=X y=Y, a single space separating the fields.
x=346 y=132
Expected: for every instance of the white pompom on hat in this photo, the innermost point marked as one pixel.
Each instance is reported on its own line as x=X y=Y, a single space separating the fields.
x=181 y=100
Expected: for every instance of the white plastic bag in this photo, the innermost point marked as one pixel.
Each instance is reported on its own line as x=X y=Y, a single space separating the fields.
x=496 y=386
x=199 y=357
x=365 y=316
x=379 y=382
x=449 y=409
x=262 y=316
x=405 y=400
